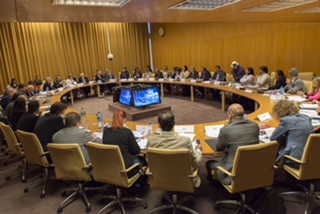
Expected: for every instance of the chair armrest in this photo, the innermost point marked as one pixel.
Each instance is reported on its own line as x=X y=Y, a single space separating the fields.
x=225 y=171
x=45 y=153
x=194 y=174
x=131 y=168
x=290 y=158
x=87 y=167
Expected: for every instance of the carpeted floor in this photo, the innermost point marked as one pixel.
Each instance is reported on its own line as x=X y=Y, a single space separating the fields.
x=14 y=200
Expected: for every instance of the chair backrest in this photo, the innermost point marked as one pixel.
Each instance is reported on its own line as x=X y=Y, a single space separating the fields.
x=272 y=78
x=306 y=75
x=229 y=78
x=108 y=164
x=308 y=84
x=32 y=148
x=12 y=142
x=170 y=170
x=311 y=158
x=254 y=166
x=68 y=161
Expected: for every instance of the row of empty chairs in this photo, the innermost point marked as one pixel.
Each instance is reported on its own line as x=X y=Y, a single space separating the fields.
x=253 y=168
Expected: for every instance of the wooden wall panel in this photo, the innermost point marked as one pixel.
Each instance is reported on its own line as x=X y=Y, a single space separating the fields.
x=276 y=45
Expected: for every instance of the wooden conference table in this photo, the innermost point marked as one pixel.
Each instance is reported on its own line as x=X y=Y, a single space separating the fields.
x=263 y=105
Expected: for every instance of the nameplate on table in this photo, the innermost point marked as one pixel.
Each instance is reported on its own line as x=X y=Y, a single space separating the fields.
x=112 y=80
x=130 y=79
x=161 y=80
x=91 y=82
x=264 y=116
x=193 y=81
x=213 y=131
x=123 y=80
x=182 y=80
x=184 y=129
x=171 y=80
x=140 y=79
x=248 y=91
x=151 y=79
x=142 y=128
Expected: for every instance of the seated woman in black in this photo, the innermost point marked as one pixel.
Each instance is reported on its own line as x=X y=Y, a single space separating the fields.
x=119 y=135
x=280 y=80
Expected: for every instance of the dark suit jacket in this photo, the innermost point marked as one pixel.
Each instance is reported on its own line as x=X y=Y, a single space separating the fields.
x=126 y=141
x=27 y=122
x=280 y=82
x=238 y=133
x=85 y=80
x=46 y=126
x=5 y=100
x=221 y=77
x=206 y=75
x=193 y=75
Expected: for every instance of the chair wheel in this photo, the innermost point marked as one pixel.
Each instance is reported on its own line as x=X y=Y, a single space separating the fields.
x=8 y=178
x=59 y=210
x=88 y=209
x=42 y=195
x=64 y=193
x=145 y=206
x=25 y=190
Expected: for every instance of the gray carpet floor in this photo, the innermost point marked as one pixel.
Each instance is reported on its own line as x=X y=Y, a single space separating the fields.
x=14 y=200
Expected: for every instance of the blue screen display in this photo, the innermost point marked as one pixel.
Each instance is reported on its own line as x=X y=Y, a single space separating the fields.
x=125 y=96
x=146 y=96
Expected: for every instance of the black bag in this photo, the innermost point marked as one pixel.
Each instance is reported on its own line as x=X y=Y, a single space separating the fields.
x=267 y=201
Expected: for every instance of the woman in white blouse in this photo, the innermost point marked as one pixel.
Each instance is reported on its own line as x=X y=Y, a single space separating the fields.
x=248 y=78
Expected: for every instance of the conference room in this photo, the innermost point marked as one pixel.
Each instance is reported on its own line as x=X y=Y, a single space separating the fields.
x=43 y=38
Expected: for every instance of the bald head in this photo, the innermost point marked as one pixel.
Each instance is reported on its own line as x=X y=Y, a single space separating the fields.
x=236 y=111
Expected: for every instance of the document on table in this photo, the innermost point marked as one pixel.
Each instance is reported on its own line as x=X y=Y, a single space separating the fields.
x=190 y=136
x=138 y=134
x=310 y=113
x=265 y=134
x=213 y=131
x=142 y=143
x=99 y=134
x=309 y=106
x=297 y=99
x=264 y=116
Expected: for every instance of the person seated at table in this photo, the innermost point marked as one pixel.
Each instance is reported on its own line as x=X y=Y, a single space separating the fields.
x=168 y=140
x=314 y=95
x=137 y=73
x=71 y=81
x=193 y=74
x=74 y=134
x=119 y=134
x=294 y=83
x=9 y=107
x=280 y=80
x=38 y=82
x=14 y=83
x=85 y=80
x=293 y=129
x=237 y=131
x=248 y=78
x=29 y=119
x=47 y=86
x=18 y=109
x=57 y=82
x=99 y=78
x=124 y=74
x=30 y=91
x=263 y=79
x=109 y=76
x=7 y=97
x=219 y=74
x=205 y=76
x=22 y=88
x=158 y=74
x=148 y=74
x=49 y=124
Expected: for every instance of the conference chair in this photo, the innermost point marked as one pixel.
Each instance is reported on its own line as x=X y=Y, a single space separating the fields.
x=253 y=168
x=69 y=165
x=309 y=169
x=308 y=84
x=34 y=155
x=14 y=148
x=272 y=78
x=171 y=170
x=108 y=167
x=306 y=75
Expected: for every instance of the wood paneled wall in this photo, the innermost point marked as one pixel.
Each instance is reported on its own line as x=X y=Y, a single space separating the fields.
x=276 y=45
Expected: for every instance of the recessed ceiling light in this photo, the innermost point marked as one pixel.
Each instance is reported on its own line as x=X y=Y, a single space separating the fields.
x=278 y=5
x=309 y=10
x=101 y=3
x=202 y=4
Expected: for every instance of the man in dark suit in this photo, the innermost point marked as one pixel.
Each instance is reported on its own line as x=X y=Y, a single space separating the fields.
x=237 y=132
x=7 y=97
x=84 y=79
x=29 y=119
x=50 y=123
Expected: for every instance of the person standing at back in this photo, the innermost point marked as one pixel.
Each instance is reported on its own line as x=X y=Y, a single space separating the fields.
x=237 y=71
x=237 y=132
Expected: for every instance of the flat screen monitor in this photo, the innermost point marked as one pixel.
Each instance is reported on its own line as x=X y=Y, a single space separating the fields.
x=144 y=97
x=125 y=96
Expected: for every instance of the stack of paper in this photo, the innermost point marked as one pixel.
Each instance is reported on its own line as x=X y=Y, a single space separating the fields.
x=138 y=134
x=142 y=143
x=190 y=136
x=297 y=99
x=309 y=106
x=310 y=113
x=213 y=131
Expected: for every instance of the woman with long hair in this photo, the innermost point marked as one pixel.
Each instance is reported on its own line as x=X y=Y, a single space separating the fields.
x=314 y=95
x=119 y=134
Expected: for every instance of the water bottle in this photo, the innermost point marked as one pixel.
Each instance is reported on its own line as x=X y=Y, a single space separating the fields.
x=84 y=117
x=99 y=118
x=281 y=90
x=245 y=116
x=150 y=129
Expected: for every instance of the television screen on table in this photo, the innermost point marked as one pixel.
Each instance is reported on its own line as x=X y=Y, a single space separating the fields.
x=125 y=96
x=144 y=97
